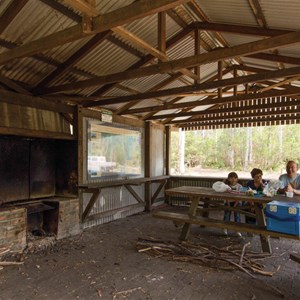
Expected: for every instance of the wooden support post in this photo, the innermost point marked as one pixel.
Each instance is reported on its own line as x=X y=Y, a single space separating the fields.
x=235 y=86
x=168 y=158
x=148 y=165
x=261 y=221
x=197 y=51
x=192 y=212
x=78 y=131
x=220 y=75
x=90 y=205
x=161 y=34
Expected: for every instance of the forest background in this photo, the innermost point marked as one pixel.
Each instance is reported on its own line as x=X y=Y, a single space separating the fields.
x=214 y=153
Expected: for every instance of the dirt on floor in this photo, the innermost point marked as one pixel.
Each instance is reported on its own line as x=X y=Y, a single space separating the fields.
x=103 y=263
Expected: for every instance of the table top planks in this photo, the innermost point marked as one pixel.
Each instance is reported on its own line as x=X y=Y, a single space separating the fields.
x=202 y=192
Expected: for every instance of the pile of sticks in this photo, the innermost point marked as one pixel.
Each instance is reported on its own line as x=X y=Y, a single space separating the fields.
x=207 y=255
x=3 y=253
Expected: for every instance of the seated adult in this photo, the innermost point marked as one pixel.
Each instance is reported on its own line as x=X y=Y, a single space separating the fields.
x=290 y=182
x=257 y=183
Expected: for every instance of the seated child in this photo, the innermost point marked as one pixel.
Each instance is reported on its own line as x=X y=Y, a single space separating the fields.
x=256 y=184
x=232 y=181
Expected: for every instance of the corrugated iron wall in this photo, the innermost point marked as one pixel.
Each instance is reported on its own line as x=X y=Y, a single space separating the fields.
x=188 y=181
x=113 y=203
x=16 y=116
x=192 y=181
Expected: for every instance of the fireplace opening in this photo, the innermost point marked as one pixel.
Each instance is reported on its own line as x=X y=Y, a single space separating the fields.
x=42 y=219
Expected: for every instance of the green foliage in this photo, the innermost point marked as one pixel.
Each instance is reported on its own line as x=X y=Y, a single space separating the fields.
x=226 y=148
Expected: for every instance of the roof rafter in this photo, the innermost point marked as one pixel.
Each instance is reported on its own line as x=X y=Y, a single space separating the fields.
x=202 y=86
x=239 y=29
x=228 y=110
x=274 y=93
x=10 y=13
x=187 y=62
x=134 y=11
x=153 y=51
x=271 y=120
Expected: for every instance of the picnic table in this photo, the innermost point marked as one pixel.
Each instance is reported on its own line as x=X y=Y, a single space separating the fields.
x=212 y=200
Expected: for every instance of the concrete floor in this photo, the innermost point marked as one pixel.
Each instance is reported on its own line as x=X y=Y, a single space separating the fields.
x=103 y=263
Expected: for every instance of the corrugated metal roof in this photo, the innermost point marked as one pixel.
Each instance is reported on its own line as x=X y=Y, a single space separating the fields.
x=281 y=14
x=228 y=11
x=34 y=21
x=37 y=20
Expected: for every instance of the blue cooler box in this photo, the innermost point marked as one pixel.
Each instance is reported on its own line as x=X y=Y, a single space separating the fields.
x=283 y=217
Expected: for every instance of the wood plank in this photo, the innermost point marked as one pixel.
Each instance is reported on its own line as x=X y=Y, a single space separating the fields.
x=36 y=133
x=161 y=32
x=162 y=184
x=244 y=121
x=258 y=13
x=199 y=87
x=241 y=108
x=84 y=6
x=36 y=102
x=241 y=227
x=118 y=17
x=109 y=184
x=122 y=32
x=112 y=212
x=240 y=29
x=258 y=112
x=78 y=131
x=187 y=62
x=295 y=257
x=63 y=10
x=191 y=214
x=147 y=166
x=10 y=13
x=72 y=60
x=239 y=98
x=147 y=59
x=90 y=204
x=14 y=86
x=134 y=194
x=276 y=58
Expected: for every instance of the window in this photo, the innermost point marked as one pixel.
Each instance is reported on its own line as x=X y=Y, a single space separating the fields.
x=114 y=151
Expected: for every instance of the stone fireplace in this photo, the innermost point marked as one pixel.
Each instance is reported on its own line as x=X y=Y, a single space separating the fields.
x=38 y=190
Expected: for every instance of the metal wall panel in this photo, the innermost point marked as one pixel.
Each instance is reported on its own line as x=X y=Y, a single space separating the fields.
x=14 y=165
x=42 y=169
x=112 y=199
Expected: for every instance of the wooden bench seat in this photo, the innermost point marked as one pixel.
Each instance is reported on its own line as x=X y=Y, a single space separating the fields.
x=295 y=257
x=241 y=227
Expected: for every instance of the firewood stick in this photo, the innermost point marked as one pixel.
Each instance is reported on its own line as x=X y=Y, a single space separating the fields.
x=11 y=263
x=243 y=253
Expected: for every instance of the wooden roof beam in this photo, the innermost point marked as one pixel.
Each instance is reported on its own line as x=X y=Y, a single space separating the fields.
x=134 y=11
x=239 y=29
x=247 y=121
x=63 y=10
x=258 y=13
x=202 y=86
x=122 y=32
x=274 y=93
x=73 y=59
x=276 y=58
x=218 y=112
x=35 y=102
x=147 y=59
x=157 y=87
x=255 y=113
x=86 y=7
x=10 y=13
x=187 y=62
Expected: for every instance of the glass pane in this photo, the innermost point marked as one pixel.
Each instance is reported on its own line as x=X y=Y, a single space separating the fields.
x=114 y=151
